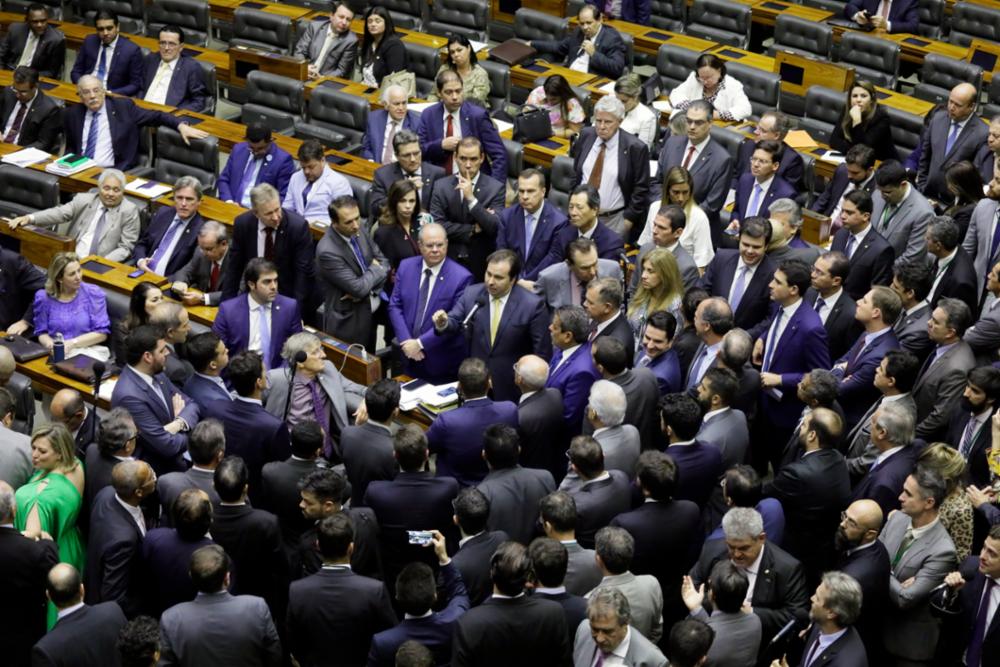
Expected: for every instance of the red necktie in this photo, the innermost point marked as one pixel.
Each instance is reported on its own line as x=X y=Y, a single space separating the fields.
x=687 y=158
x=449 y=131
x=269 y=244
x=213 y=281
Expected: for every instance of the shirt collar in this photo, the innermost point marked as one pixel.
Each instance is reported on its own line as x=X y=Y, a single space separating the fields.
x=910 y=311
x=148 y=378
x=254 y=305
x=832 y=299
x=470 y=537
x=754 y=567
x=790 y=309
x=919 y=532
x=765 y=186
x=63 y=613
x=712 y=413
x=558 y=590
x=247 y=399
x=870 y=338
x=526 y=395
x=859 y=237
x=621 y=650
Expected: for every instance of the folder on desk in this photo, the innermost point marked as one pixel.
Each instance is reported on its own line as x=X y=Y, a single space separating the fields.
x=70 y=164
x=512 y=52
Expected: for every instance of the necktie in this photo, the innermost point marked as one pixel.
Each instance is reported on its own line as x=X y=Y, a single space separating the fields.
x=165 y=242
x=494 y=320
x=91 y=149
x=820 y=306
x=583 y=291
x=387 y=150
x=885 y=9
x=755 y=200
x=599 y=655
x=213 y=281
x=265 y=336
x=161 y=78
x=974 y=653
x=325 y=49
x=967 y=437
x=529 y=231
x=15 y=127
x=694 y=375
x=952 y=136
x=739 y=287
x=102 y=65
x=813 y=651
x=887 y=214
x=772 y=340
x=449 y=160
x=907 y=542
x=852 y=241
x=269 y=244
x=996 y=235
x=305 y=194
x=360 y=256
x=246 y=183
x=687 y=158
x=98 y=232
x=29 y=51
x=425 y=289
x=322 y=415
x=595 y=173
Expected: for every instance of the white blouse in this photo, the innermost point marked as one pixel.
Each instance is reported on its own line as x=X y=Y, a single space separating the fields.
x=641 y=121
x=730 y=100
x=696 y=239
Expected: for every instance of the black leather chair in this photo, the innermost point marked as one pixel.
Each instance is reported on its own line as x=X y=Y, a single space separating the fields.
x=515 y=159
x=262 y=30
x=175 y=158
x=459 y=17
x=424 y=64
x=561 y=181
x=336 y=119
x=409 y=14
x=720 y=21
x=668 y=14
x=992 y=106
x=971 y=21
x=21 y=7
x=798 y=35
x=273 y=100
x=532 y=24
x=24 y=403
x=729 y=139
x=192 y=16
x=212 y=84
x=933 y=22
x=762 y=88
x=24 y=191
x=874 y=59
x=499 y=84
x=906 y=130
x=824 y=109
x=131 y=13
x=674 y=64
x=361 y=189
x=940 y=74
x=808 y=191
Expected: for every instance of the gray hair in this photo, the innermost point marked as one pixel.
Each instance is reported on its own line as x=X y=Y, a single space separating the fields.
x=737 y=346
x=263 y=193
x=608 y=400
x=7 y=504
x=609 y=600
x=944 y=230
x=629 y=84
x=300 y=342
x=782 y=123
x=843 y=597
x=384 y=97
x=575 y=320
x=612 y=105
x=741 y=523
x=534 y=372
x=404 y=137
x=111 y=173
x=609 y=290
x=116 y=430
x=81 y=82
x=189 y=182
x=931 y=484
x=790 y=206
x=678 y=125
x=897 y=422
x=216 y=228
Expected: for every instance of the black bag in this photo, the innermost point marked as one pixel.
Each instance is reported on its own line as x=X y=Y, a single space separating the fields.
x=23 y=349
x=81 y=367
x=532 y=124
x=651 y=89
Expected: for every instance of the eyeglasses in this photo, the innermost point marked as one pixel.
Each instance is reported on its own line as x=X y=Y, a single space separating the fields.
x=849 y=521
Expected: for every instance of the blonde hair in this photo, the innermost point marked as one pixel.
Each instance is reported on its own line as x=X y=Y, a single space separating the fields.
x=56 y=269
x=946 y=461
x=670 y=289
x=61 y=441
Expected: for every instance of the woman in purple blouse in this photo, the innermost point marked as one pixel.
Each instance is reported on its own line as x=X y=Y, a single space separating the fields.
x=70 y=307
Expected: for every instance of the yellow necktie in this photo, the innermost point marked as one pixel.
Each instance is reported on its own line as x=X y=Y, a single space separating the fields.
x=494 y=320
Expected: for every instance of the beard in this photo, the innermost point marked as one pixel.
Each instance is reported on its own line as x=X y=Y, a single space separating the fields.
x=842 y=542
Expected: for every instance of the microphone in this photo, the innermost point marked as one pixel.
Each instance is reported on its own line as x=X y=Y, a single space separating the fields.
x=480 y=302
x=783 y=632
x=99 y=368
x=299 y=358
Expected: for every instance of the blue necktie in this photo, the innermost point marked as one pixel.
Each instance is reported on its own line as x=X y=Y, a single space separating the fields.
x=694 y=375
x=246 y=183
x=360 y=256
x=755 y=200
x=952 y=136
x=974 y=652
x=91 y=148
x=772 y=340
x=305 y=195
x=165 y=242
x=425 y=288
x=529 y=231
x=851 y=242
x=265 y=336
x=996 y=236
x=102 y=65
x=739 y=287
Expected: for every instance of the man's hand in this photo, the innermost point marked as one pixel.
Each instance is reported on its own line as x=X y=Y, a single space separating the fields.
x=465 y=187
x=978 y=497
x=758 y=352
x=417 y=181
x=770 y=380
x=18 y=328
x=909 y=582
x=19 y=220
x=437 y=541
x=861 y=18
x=440 y=318
x=780 y=663
x=178 y=402
x=143 y=264
x=734 y=226
x=693 y=597
x=588 y=46
x=412 y=349
x=188 y=133
x=313 y=72
x=361 y=414
x=879 y=22
x=527 y=284
x=450 y=143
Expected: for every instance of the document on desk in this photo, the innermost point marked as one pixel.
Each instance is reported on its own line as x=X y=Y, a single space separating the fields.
x=418 y=391
x=477 y=46
x=107 y=386
x=149 y=189
x=26 y=157
x=502 y=125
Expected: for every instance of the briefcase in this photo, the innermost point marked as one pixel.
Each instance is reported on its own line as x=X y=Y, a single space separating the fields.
x=512 y=52
x=22 y=348
x=81 y=367
x=532 y=124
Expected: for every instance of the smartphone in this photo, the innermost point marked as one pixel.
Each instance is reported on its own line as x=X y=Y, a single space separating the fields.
x=72 y=157
x=449 y=391
x=136 y=273
x=413 y=385
x=420 y=538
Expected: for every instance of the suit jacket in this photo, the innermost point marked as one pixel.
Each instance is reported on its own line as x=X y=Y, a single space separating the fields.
x=633 y=169
x=573 y=378
x=958 y=281
x=884 y=482
x=171 y=485
x=847 y=651
x=22 y=584
x=50 y=53
x=277 y=170
x=745 y=184
x=610 y=245
x=203 y=391
x=938 y=388
x=184 y=249
x=641 y=652
x=86 y=638
x=124 y=72
x=860 y=452
x=19 y=281
x=582 y=574
x=790 y=170
x=857 y=391
x=598 y=502
x=842 y=330
x=871 y=263
x=388 y=174
x=373 y=144
x=339 y=59
x=609 y=54
x=979 y=240
x=963 y=610
x=835 y=189
x=476 y=123
x=911 y=331
x=935 y=159
x=473 y=562
x=121 y=225
x=232 y=324
x=314 y=205
x=645 y=598
x=711 y=172
x=365 y=559
x=903 y=16
x=978 y=471
x=621 y=447
x=15 y=458
x=186 y=89
x=690 y=275
x=114 y=555
x=553 y=283
x=98 y=469
x=666 y=369
x=280 y=496
x=252 y=539
x=619 y=329
x=728 y=431
x=523 y=329
x=699 y=466
x=905 y=226
x=197 y=273
x=336 y=603
x=984 y=336
x=910 y=630
x=41 y=126
x=456 y=436
x=343 y=395
x=149 y=410
x=870 y=568
x=166 y=561
x=514 y=494
x=543 y=432
x=543 y=250
x=348 y=286
x=124 y=121
x=504 y=631
x=220 y=629
x=737 y=637
x=718 y=281
x=642 y=395
x=368 y=456
x=450 y=209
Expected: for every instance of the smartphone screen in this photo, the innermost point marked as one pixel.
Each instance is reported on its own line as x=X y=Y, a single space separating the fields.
x=136 y=273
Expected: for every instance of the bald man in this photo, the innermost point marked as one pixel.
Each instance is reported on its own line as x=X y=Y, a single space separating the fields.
x=68 y=408
x=539 y=413
x=954 y=134
x=863 y=556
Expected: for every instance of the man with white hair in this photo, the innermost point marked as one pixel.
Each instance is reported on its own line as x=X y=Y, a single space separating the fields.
x=605 y=413
x=607 y=632
x=788 y=215
x=616 y=163
x=384 y=123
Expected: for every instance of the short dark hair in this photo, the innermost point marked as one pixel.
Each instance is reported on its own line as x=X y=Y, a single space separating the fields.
x=141 y=340
x=199 y=349
x=743 y=486
x=409 y=444
x=840 y=266
x=693 y=296
x=945 y=231
x=861 y=199
x=797 y=274
x=586 y=454
x=593 y=195
x=245 y=370
x=689 y=642
x=173 y=29
x=138 y=642
x=327 y=485
x=986 y=378
x=675 y=215
x=861 y=156
x=915 y=275
x=729 y=585
x=416 y=589
x=559 y=509
x=616 y=547
x=230 y=478
x=508 y=256
x=575 y=320
x=903 y=367
x=105 y=15
x=206 y=440
x=117 y=429
x=663 y=321
x=257 y=267
x=890 y=172
x=473 y=377
x=192 y=514
x=510 y=568
x=307 y=438
x=657 y=474
x=343 y=201
x=502 y=444
x=959 y=315
x=771 y=147
x=472 y=508
x=36 y=7
x=549 y=561
x=681 y=413
x=258 y=132
x=334 y=535
x=209 y=566
x=756 y=227
x=25 y=74
x=723 y=383
x=610 y=353
x=311 y=149
x=381 y=399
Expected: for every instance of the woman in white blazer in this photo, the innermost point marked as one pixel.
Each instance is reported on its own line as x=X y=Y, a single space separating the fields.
x=710 y=82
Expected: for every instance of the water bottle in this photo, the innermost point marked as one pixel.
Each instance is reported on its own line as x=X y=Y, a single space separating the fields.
x=58 y=349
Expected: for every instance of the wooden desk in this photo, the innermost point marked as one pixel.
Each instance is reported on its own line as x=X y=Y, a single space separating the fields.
x=47 y=381
x=37 y=244
x=648 y=40
x=224 y=10
x=116 y=278
x=540 y=154
x=243 y=60
x=766 y=12
x=70 y=184
x=524 y=76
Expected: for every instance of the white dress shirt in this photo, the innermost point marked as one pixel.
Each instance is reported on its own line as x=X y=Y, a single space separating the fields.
x=104 y=151
x=87 y=237
x=135 y=513
x=582 y=61
x=641 y=121
x=13 y=116
x=108 y=59
x=255 y=342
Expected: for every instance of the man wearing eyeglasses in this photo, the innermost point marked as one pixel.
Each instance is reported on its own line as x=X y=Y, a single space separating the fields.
x=171 y=78
x=29 y=117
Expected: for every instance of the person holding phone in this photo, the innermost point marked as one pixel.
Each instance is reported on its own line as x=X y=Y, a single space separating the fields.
x=891 y=16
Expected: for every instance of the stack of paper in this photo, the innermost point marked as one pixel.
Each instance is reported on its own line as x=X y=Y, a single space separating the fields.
x=26 y=157
x=66 y=167
x=419 y=392
x=149 y=189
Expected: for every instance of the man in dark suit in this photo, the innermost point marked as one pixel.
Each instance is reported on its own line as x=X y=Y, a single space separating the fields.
x=510 y=625
x=530 y=227
x=593 y=47
x=367 y=449
x=117 y=528
x=656 y=353
x=699 y=463
x=954 y=134
x=624 y=199
x=856 y=173
x=379 y=144
x=208 y=357
x=328 y=43
x=199 y=282
x=162 y=414
x=505 y=322
x=604 y=305
x=456 y=436
x=969 y=429
x=557 y=514
x=549 y=560
x=29 y=117
x=115 y=443
x=171 y=78
x=19 y=281
x=439 y=144
x=757 y=189
x=742 y=276
x=667 y=228
x=336 y=602
x=175 y=323
x=476 y=548
x=869 y=254
x=832 y=303
x=892 y=436
x=584 y=222
x=168 y=243
x=467 y=205
x=274 y=317
x=639 y=385
x=984 y=335
x=115 y=60
x=207 y=447
x=912 y=282
x=409 y=164
x=34 y=44
x=836 y=606
x=86 y=634
x=954 y=273
x=986 y=157
x=862 y=556
x=572 y=369
x=600 y=495
x=280 y=482
x=68 y=408
x=772 y=126
x=899 y=16
x=540 y=418
x=351 y=270
x=979 y=236
x=256 y=161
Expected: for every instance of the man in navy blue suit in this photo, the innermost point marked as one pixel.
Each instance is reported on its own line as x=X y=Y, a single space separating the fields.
x=424 y=285
x=892 y=16
x=116 y=61
x=504 y=322
x=655 y=352
x=209 y=357
x=171 y=78
x=772 y=126
x=756 y=190
x=742 y=276
x=593 y=47
x=870 y=254
x=584 y=207
x=456 y=436
x=571 y=370
x=833 y=641
x=384 y=123
x=530 y=228
x=444 y=124
x=699 y=464
x=169 y=241
x=856 y=173
x=260 y=320
x=255 y=161
x=892 y=435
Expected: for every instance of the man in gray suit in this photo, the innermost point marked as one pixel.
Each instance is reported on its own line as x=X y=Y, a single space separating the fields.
x=921 y=554
x=607 y=631
x=15 y=448
x=737 y=631
x=981 y=239
x=605 y=413
x=615 y=548
x=218 y=628
x=900 y=213
x=565 y=283
x=205 y=270
x=103 y=223
x=207 y=446
x=942 y=378
x=788 y=216
x=954 y=134
x=329 y=44
x=912 y=282
x=723 y=426
x=558 y=517
x=668 y=227
x=984 y=336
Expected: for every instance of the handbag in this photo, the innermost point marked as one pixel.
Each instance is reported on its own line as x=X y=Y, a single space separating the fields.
x=532 y=124
x=404 y=78
x=80 y=367
x=23 y=349
x=512 y=52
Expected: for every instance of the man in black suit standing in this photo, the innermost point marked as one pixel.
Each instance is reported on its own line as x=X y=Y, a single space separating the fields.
x=29 y=117
x=511 y=626
x=600 y=494
x=539 y=418
x=475 y=549
x=969 y=428
x=604 y=305
x=834 y=306
x=367 y=449
x=69 y=409
x=742 y=276
x=862 y=555
x=409 y=165
x=912 y=282
x=833 y=642
x=642 y=392
x=549 y=560
x=207 y=446
x=115 y=443
x=868 y=252
x=557 y=514
x=280 y=482
x=336 y=604
x=954 y=273
x=85 y=635
x=34 y=44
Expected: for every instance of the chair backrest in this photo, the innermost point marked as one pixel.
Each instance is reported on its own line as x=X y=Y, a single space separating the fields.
x=131 y=13
x=192 y=16
x=668 y=14
x=763 y=89
x=940 y=74
x=515 y=158
x=931 y=17
x=802 y=36
x=361 y=189
x=348 y=114
x=499 y=83
x=674 y=64
x=629 y=50
x=906 y=130
x=807 y=191
x=824 y=109
x=424 y=64
x=21 y=7
x=402 y=12
x=276 y=92
x=532 y=24
x=874 y=59
x=24 y=191
x=24 y=403
x=971 y=21
x=729 y=139
x=461 y=17
x=262 y=30
x=212 y=84
x=175 y=158
x=563 y=175
x=992 y=106
x=721 y=21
